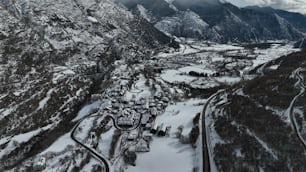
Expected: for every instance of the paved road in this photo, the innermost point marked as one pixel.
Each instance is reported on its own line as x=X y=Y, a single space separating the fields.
x=205 y=156
x=125 y=129
x=94 y=152
x=302 y=86
x=207 y=148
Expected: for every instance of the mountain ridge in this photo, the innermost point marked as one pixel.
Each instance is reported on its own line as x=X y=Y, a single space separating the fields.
x=53 y=56
x=227 y=22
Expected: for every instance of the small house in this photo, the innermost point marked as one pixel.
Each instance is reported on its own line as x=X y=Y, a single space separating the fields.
x=148 y=126
x=148 y=137
x=145 y=119
x=154 y=129
x=125 y=121
x=154 y=111
x=133 y=135
x=162 y=131
x=142 y=146
x=165 y=99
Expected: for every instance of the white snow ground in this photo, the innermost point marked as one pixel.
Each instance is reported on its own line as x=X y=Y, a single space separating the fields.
x=60 y=144
x=209 y=59
x=87 y=109
x=167 y=153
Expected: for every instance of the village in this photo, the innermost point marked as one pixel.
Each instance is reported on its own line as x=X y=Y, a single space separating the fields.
x=147 y=106
x=141 y=93
x=133 y=106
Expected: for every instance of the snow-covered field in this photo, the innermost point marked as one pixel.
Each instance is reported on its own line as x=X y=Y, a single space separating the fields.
x=181 y=114
x=165 y=155
x=216 y=64
x=168 y=153
x=60 y=144
x=86 y=110
x=135 y=92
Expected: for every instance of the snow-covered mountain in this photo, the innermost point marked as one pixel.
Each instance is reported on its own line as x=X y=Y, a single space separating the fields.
x=186 y=24
x=262 y=118
x=296 y=19
x=53 y=55
x=225 y=22
x=96 y=85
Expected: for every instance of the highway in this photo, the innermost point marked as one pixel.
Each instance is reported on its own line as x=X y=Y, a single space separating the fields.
x=208 y=161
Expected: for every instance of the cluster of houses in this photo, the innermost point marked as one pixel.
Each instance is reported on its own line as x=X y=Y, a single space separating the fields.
x=137 y=113
x=214 y=74
x=160 y=130
x=129 y=113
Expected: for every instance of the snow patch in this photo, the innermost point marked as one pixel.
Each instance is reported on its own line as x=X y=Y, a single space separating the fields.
x=86 y=110
x=92 y=19
x=44 y=101
x=165 y=155
x=60 y=144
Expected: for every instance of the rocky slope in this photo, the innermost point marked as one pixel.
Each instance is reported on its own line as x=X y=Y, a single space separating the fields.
x=259 y=125
x=56 y=56
x=224 y=21
x=53 y=55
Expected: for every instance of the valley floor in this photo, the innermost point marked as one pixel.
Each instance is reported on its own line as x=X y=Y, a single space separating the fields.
x=151 y=115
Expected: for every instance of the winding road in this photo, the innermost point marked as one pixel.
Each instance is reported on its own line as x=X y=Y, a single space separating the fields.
x=301 y=84
x=94 y=152
x=208 y=161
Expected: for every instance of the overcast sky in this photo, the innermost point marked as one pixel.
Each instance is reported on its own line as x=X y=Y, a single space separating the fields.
x=290 y=5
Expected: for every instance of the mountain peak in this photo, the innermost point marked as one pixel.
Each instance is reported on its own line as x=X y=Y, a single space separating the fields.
x=226 y=22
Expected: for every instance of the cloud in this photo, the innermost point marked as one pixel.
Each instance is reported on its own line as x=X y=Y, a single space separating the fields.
x=188 y=2
x=289 y=5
